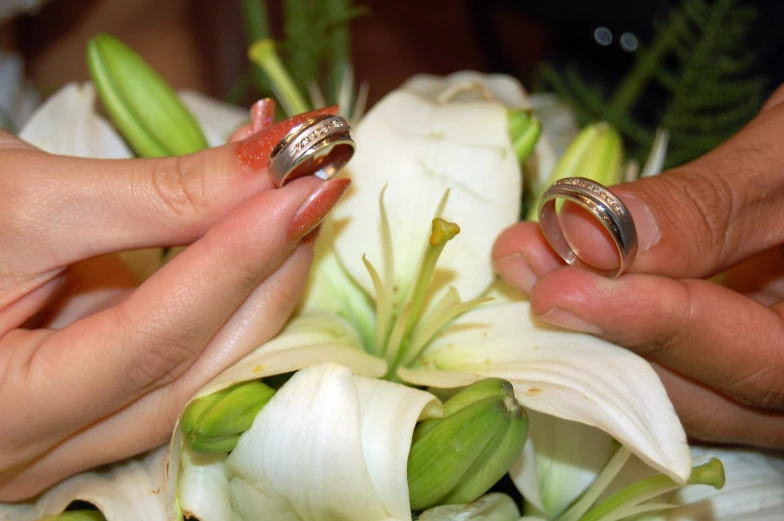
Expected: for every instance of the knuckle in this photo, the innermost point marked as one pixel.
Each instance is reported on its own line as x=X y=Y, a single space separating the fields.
x=667 y=322
x=713 y=207
x=284 y=297
x=759 y=382
x=773 y=397
x=179 y=184
x=762 y=389
x=711 y=426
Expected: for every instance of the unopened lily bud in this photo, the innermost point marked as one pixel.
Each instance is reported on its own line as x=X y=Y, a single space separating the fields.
x=145 y=109
x=457 y=458
x=596 y=153
x=76 y=515
x=524 y=132
x=214 y=423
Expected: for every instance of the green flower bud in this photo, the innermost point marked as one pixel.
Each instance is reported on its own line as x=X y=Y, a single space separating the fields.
x=524 y=132
x=76 y=515
x=596 y=153
x=214 y=423
x=144 y=107
x=457 y=458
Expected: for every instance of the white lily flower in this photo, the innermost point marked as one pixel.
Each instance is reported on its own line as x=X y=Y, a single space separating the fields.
x=352 y=433
x=414 y=149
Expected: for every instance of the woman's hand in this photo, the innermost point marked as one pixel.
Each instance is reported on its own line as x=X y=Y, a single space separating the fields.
x=94 y=369
x=718 y=348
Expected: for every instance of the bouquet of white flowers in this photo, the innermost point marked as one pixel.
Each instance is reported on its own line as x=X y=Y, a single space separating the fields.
x=410 y=381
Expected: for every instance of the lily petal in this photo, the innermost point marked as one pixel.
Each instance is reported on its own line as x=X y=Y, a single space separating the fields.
x=218 y=120
x=129 y=491
x=320 y=452
x=67 y=124
x=492 y=507
x=203 y=489
x=309 y=339
x=419 y=150
x=470 y=85
x=571 y=376
x=561 y=460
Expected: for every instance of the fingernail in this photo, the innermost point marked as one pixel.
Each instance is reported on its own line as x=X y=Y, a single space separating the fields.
x=516 y=271
x=648 y=233
x=254 y=152
x=568 y=320
x=318 y=205
x=262 y=114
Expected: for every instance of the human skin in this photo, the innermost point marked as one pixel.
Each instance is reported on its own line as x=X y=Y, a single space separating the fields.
x=95 y=367
x=718 y=347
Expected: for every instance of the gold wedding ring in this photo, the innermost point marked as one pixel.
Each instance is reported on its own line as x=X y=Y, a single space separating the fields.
x=600 y=202
x=321 y=146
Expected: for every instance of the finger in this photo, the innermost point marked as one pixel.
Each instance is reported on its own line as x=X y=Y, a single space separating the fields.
x=149 y=422
x=262 y=116
x=65 y=209
x=152 y=338
x=720 y=338
x=701 y=218
x=522 y=266
x=711 y=417
x=241 y=134
x=775 y=98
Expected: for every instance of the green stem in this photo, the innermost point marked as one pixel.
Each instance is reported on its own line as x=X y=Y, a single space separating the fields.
x=256 y=24
x=601 y=482
x=255 y=20
x=263 y=54
x=710 y=473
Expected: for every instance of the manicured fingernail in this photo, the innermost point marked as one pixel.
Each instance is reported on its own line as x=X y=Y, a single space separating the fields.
x=318 y=205
x=262 y=114
x=568 y=320
x=254 y=152
x=648 y=233
x=516 y=271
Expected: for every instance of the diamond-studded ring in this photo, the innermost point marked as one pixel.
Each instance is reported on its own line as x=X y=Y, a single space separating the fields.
x=600 y=202
x=320 y=146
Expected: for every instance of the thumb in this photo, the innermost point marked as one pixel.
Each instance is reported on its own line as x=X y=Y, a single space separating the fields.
x=65 y=209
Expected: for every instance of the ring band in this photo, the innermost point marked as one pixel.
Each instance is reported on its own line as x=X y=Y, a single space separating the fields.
x=602 y=204
x=320 y=146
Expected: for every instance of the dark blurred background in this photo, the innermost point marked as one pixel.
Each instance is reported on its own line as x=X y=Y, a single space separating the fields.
x=392 y=41
x=584 y=50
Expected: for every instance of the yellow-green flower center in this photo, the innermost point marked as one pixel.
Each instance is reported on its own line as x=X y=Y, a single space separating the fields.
x=404 y=327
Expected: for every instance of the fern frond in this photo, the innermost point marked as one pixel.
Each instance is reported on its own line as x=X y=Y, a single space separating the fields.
x=709 y=102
